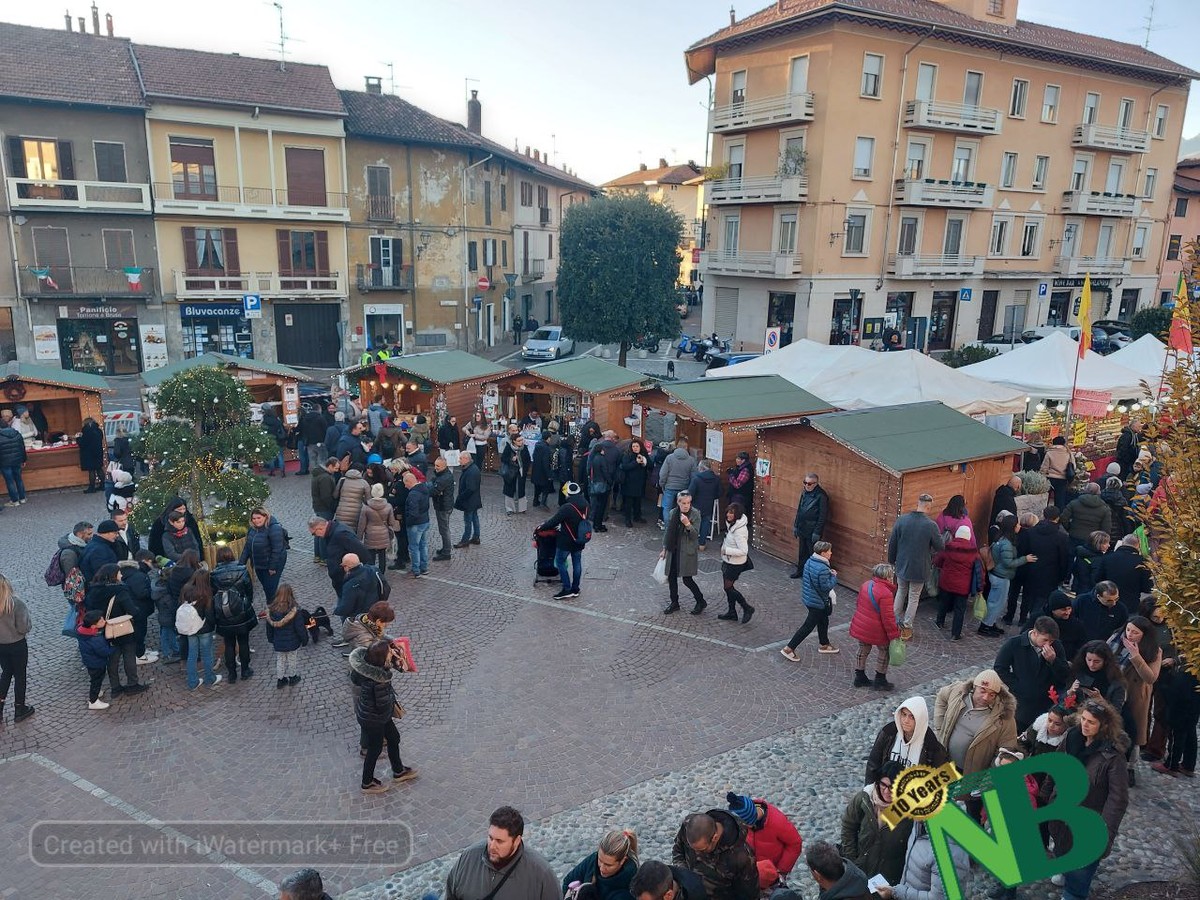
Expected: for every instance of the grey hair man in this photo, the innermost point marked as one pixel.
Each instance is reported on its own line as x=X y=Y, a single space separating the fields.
x=914 y=540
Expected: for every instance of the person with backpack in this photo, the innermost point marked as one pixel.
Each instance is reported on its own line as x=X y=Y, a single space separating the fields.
x=197 y=619
x=136 y=575
x=265 y=550
x=572 y=521
x=178 y=576
x=67 y=556
x=108 y=595
x=287 y=632
x=94 y=650
x=233 y=606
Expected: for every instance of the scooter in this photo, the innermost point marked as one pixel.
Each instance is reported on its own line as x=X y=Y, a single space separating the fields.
x=687 y=344
x=710 y=347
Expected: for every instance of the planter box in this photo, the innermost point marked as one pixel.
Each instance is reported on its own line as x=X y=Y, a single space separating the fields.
x=210 y=552
x=1032 y=503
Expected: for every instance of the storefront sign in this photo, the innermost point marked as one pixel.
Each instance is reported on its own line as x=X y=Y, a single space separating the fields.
x=97 y=311
x=1078 y=283
x=45 y=344
x=154 y=345
x=1091 y=404
x=291 y=403
x=211 y=311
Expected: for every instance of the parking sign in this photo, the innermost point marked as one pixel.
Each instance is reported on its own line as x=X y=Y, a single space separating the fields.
x=1042 y=289
x=252 y=303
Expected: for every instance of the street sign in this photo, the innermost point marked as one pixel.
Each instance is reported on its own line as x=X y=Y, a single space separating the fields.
x=477 y=303
x=510 y=294
x=1043 y=288
x=964 y=295
x=252 y=304
x=771 y=340
x=511 y=278
x=483 y=284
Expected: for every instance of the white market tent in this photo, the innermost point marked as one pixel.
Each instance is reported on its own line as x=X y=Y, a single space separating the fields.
x=1045 y=369
x=856 y=378
x=1147 y=355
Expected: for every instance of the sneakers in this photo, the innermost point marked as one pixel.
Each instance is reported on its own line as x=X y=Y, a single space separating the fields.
x=408 y=773
x=340 y=643
x=22 y=713
x=146 y=658
x=828 y=648
x=217 y=679
x=790 y=654
x=375 y=787
x=98 y=704
x=295 y=679
x=168 y=659
x=564 y=594
x=1058 y=880
x=281 y=682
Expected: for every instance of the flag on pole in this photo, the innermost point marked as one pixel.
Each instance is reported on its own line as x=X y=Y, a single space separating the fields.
x=1085 y=317
x=1180 y=337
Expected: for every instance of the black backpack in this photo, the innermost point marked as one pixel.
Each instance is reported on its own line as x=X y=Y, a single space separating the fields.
x=230 y=606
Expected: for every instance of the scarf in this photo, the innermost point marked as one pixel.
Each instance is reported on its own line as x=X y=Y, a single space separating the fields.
x=1119 y=650
x=1042 y=735
x=877 y=802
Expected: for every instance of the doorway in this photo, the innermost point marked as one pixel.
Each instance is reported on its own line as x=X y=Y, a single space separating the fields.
x=844 y=326
x=987 y=315
x=100 y=346
x=781 y=314
x=941 y=320
x=308 y=334
x=1060 y=307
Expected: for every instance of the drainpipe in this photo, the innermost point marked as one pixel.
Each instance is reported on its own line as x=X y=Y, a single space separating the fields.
x=887 y=222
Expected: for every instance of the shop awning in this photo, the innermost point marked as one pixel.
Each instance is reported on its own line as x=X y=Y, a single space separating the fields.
x=437 y=367
x=155 y=377
x=588 y=375
x=752 y=399
x=23 y=371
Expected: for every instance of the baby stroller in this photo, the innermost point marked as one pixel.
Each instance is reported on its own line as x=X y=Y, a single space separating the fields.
x=546 y=542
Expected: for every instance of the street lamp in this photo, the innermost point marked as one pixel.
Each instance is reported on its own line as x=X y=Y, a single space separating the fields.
x=462 y=190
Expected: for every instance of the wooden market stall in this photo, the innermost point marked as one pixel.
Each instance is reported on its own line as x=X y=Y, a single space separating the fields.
x=577 y=389
x=267 y=382
x=719 y=416
x=65 y=399
x=874 y=464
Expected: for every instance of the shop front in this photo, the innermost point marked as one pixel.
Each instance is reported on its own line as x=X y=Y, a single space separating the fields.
x=95 y=338
x=383 y=326
x=218 y=327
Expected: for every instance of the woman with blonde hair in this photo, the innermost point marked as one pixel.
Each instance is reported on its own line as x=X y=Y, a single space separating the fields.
x=607 y=873
x=14 y=649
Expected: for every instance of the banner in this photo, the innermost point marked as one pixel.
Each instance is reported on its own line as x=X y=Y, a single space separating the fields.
x=1090 y=404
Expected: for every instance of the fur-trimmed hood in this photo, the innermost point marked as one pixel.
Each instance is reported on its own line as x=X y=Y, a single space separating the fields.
x=285 y=618
x=359 y=664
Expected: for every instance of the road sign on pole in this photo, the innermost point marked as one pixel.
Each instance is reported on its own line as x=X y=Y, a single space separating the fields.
x=511 y=278
x=771 y=340
x=483 y=283
x=964 y=295
x=252 y=304
x=1043 y=288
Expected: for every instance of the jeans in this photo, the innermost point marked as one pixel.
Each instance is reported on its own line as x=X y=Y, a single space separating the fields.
x=1078 y=882
x=560 y=562
x=315 y=456
x=418 y=547
x=443 y=522
x=277 y=463
x=168 y=641
x=668 y=502
x=818 y=619
x=997 y=599
x=237 y=649
x=705 y=528
x=200 y=645
x=269 y=582
x=375 y=738
x=910 y=593
x=318 y=547
x=123 y=652
x=302 y=455
x=14 y=666
x=1058 y=487
x=285 y=663
x=470 y=525
x=16 y=485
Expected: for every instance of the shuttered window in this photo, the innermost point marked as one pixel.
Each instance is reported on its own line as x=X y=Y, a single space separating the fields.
x=305 y=176
x=118 y=248
x=110 y=161
x=51 y=250
x=725 y=323
x=472 y=257
x=303 y=252
x=210 y=251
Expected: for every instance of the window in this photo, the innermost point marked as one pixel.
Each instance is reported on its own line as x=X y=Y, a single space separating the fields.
x=907 y=245
x=52 y=250
x=735 y=155
x=473 y=256
x=1181 y=205
x=953 y=240
x=995 y=7
x=1160 y=121
x=41 y=159
x=1125 y=114
x=1151 y=183
x=193 y=171
x=1104 y=241
x=998 y=245
x=798 y=80
x=471 y=188
x=1091 y=107
x=918 y=151
x=1030 y=238
x=504 y=253
x=964 y=158
x=387 y=261
x=737 y=88
x=526 y=193
x=787 y=233
x=1019 y=98
x=110 y=161
x=118 y=248
x=503 y=197
x=926 y=78
x=380 y=205
x=1141 y=235
x=872 y=75
x=1050 y=103
x=210 y=251
x=543 y=196
x=856 y=234
x=1008 y=170
x=1173 y=245
x=1116 y=174
x=303 y=252
x=1041 y=166
x=973 y=89
x=549 y=246
x=489 y=251
x=487 y=203
x=864 y=150
x=304 y=173
x=1079 y=174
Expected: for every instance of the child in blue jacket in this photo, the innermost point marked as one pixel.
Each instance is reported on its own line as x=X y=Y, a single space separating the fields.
x=94 y=650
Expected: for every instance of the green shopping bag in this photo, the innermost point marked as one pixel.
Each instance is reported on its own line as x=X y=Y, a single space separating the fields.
x=897 y=652
x=979 y=607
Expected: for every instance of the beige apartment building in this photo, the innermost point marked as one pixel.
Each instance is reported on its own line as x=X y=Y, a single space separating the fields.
x=1183 y=228
x=681 y=187
x=941 y=168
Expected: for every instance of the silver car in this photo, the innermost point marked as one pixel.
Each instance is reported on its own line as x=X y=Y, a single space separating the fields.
x=548 y=342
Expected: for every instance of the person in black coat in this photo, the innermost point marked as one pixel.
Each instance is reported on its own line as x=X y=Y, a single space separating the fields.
x=1052 y=547
x=100 y=551
x=541 y=473
x=137 y=579
x=107 y=594
x=1005 y=499
x=1101 y=612
x=235 y=578
x=568 y=520
x=1071 y=632
x=374 y=707
x=469 y=499
x=1030 y=664
x=155 y=539
x=448 y=436
x=91 y=454
x=362 y=588
x=340 y=539
x=812 y=513
x=12 y=458
x=1127 y=569
x=311 y=432
x=634 y=465
x=265 y=550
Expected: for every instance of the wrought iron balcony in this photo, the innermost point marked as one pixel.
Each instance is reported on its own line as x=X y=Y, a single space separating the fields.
x=934 y=192
x=959 y=117
x=251 y=202
x=101 y=196
x=384 y=278
x=532 y=269
x=758 y=189
x=752 y=263
x=1110 y=137
x=1097 y=203
x=65 y=282
x=761 y=113
x=380 y=208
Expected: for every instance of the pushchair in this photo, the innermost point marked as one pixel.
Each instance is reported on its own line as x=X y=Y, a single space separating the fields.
x=546 y=543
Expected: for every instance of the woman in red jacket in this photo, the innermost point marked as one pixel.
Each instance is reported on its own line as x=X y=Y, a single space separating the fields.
x=771 y=835
x=874 y=626
x=957 y=563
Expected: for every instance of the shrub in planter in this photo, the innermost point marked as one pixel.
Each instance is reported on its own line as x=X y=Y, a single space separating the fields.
x=1033 y=482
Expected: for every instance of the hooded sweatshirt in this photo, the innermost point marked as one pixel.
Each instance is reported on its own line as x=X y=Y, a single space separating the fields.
x=677 y=470
x=922 y=748
x=851 y=886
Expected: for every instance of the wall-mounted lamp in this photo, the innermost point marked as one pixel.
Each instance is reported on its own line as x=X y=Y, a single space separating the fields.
x=424 y=244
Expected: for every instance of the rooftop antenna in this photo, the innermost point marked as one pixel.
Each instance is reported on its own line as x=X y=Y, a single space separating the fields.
x=282 y=37
x=467 y=82
x=1149 y=25
x=553 y=149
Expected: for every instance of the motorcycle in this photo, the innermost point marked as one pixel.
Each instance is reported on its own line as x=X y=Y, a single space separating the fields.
x=687 y=344
x=710 y=347
x=648 y=342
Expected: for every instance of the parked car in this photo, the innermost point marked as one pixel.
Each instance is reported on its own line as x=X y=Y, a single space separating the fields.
x=314 y=396
x=1036 y=334
x=548 y=342
x=1113 y=329
x=721 y=360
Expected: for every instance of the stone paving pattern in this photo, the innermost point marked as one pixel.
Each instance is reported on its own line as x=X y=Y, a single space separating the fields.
x=578 y=713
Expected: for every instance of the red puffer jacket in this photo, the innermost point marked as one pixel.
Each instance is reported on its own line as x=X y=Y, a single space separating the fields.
x=777 y=840
x=956 y=563
x=869 y=626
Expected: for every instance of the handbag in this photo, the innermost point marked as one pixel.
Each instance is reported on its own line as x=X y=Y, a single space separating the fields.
x=70 y=621
x=403 y=648
x=748 y=564
x=397 y=710
x=897 y=649
x=118 y=626
x=660 y=570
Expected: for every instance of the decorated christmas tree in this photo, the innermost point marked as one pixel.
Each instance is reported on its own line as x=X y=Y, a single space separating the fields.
x=202 y=449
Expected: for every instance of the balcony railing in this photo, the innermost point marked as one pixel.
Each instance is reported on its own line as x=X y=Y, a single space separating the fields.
x=380 y=209
x=103 y=196
x=544 y=215
x=758 y=189
x=904 y=265
x=952 y=117
x=252 y=202
x=752 y=263
x=384 y=278
x=1092 y=265
x=1096 y=203
x=1110 y=137
x=532 y=269
x=761 y=113
x=86 y=281
x=933 y=192
x=267 y=284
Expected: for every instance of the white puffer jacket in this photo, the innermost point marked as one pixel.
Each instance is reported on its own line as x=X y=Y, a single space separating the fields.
x=735 y=549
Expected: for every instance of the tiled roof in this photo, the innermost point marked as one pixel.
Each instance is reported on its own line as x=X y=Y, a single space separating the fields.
x=172 y=73
x=60 y=66
x=1043 y=39
x=670 y=175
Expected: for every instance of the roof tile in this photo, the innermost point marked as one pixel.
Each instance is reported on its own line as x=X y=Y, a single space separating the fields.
x=59 y=66
x=680 y=174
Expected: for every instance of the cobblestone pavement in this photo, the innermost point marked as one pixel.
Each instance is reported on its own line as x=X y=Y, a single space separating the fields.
x=579 y=713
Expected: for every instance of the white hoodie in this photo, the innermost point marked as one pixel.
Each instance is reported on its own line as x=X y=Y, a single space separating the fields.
x=909 y=752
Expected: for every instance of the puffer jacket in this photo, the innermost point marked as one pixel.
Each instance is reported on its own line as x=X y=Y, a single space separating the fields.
x=264 y=547
x=359 y=631
x=352 y=492
x=376 y=523
x=1085 y=514
x=1056 y=461
x=817 y=581
x=1005 y=560
x=871 y=625
x=1119 y=508
x=957 y=562
x=922 y=879
x=234 y=577
x=374 y=698
x=735 y=549
x=1000 y=730
x=287 y=632
x=94 y=648
x=12 y=448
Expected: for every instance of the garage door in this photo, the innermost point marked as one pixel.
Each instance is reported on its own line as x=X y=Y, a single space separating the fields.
x=308 y=334
x=725 y=323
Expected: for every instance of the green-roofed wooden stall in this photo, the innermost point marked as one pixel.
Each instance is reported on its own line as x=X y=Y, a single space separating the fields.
x=65 y=398
x=267 y=382
x=577 y=389
x=874 y=464
x=732 y=407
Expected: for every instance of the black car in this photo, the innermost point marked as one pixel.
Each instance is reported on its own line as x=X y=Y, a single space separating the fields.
x=314 y=396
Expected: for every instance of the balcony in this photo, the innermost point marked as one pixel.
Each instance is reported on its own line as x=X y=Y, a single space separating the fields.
x=751 y=263
x=761 y=113
x=1091 y=265
x=759 y=189
x=253 y=203
x=1110 y=137
x=65 y=282
x=1095 y=203
x=959 y=117
x=265 y=284
x=532 y=270
x=101 y=196
x=384 y=278
x=953 y=194
x=379 y=209
x=905 y=265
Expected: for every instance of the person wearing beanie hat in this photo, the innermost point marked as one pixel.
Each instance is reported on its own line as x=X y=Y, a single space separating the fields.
x=570 y=520
x=772 y=836
x=973 y=718
x=962 y=576
x=99 y=551
x=1072 y=634
x=1113 y=469
x=377 y=524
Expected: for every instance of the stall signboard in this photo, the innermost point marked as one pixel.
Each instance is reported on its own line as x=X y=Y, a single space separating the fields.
x=211 y=311
x=1091 y=404
x=154 y=345
x=291 y=403
x=714 y=443
x=45 y=344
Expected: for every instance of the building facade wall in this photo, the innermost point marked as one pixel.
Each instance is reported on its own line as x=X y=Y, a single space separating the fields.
x=1182 y=227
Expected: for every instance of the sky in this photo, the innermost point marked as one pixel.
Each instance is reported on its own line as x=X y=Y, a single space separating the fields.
x=600 y=87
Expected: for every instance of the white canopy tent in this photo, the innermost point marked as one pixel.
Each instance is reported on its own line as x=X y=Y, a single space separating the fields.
x=1045 y=369
x=1147 y=355
x=799 y=362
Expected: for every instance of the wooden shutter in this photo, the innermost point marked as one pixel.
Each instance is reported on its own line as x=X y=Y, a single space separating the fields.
x=66 y=161
x=110 y=161
x=487 y=203
x=16 y=157
x=233 y=264
x=504 y=253
x=321 y=244
x=283 y=241
x=51 y=249
x=305 y=176
x=118 y=248
x=472 y=257
x=191 y=260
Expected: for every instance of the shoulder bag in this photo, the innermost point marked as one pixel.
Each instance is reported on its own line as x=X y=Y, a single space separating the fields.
x=897 y=649
x=491 y=895
x=118 y=626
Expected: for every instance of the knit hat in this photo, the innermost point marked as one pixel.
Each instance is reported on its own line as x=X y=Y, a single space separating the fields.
x=339 y=416
x=988 y=679
x=742 y=806
x=374 y=458
x=108 y=526
x=1058 y=600
x=570 y=489
x=1011 y=754
x=1113 y=468
x=963 y=532
x=376 y=491
x=1144 y=489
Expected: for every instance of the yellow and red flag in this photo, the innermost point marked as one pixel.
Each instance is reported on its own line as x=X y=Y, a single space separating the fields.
x=1085 y=317
x=1180 y=337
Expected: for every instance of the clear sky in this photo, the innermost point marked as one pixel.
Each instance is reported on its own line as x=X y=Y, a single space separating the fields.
x=599 y=86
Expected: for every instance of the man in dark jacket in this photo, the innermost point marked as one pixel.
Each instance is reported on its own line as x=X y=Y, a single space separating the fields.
x=713 y=845
x=1070 y=630
x=1031 y=663
x=1128 y=445
x=303 y=885
x=836 y=877
x=416 y=456
x=273 y=426
x=469 y=499
x=1005 y=499
x=1050 y=544
x=128 y=541
x=705 y=489
x=73 y=545
x=333 y=431
x=99 y=551
x=568 y=520
x=914 y=540
x=441 y=495
x=12 y=458
x=312 y=437
x=1087 y=513
x=1100 y=611
x=603 y=459
x=1127 y=569
x=416 y=522
x=138 y=580
x=349 y=447
x=362 y=587
x=655 y=880
x=324 y=503
x=812 y=513
x=339 y=540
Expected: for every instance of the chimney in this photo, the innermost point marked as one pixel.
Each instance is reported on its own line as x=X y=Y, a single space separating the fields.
x=526 y=149
x=374 y=84
x=83 y=25
x=692 y=163
x=70 y=24
x=108 y=23
x=641 y=167
x=475 y=114
x=732 y=16
x=95 y=20
x=537 y=156
x=662 y=163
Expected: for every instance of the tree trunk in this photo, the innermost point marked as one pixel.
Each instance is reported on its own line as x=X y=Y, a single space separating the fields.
x=623 y=355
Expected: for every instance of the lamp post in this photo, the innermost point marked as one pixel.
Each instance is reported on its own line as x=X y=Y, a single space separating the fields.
x=462 y=190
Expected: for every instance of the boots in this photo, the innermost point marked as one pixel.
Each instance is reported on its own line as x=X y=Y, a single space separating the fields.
x=21 y=713
x=730 y=615
x=747 y=612
x=861 y=679
x=882 y=684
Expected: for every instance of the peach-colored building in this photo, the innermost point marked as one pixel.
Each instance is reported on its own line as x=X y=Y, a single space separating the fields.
x=1183 y=227
x=681 y=187
x=941 y=168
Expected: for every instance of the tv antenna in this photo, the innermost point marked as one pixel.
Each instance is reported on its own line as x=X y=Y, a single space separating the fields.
x=282 y=37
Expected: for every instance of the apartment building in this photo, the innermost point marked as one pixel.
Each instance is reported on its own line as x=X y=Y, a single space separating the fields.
x=1183 y=228
x=80 y=287
x=941 y=168
x=681 y=187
